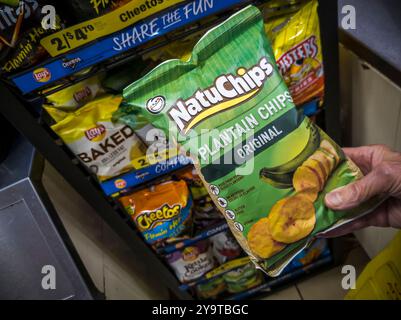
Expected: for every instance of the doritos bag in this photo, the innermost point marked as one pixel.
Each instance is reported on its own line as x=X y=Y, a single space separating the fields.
x=266 y=166
x=295 y=39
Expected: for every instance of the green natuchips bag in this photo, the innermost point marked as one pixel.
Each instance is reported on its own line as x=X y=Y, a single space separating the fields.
x=266 y=166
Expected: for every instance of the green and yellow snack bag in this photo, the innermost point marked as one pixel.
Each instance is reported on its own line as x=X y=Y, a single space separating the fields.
x=295 y=39
x=211 y=289
x=107 y=148
x=266 y=166
x=243 y=278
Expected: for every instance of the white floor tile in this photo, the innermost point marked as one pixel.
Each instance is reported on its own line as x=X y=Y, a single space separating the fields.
x=118 y=289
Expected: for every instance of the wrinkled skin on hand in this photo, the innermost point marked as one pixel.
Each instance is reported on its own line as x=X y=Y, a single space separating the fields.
x=382 y=169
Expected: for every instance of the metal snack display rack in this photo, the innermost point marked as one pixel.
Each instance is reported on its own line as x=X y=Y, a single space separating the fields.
x=20 y=104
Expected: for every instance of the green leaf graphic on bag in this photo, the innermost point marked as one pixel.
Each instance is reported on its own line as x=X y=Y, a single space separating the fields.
x=266 y=166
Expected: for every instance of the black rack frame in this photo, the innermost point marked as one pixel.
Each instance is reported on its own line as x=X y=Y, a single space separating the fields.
x=22 y=116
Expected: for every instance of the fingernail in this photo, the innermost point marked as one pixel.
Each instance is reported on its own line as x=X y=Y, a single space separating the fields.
x=334 y=199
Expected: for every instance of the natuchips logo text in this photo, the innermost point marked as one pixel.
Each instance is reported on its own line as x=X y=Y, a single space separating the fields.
x=227 y=91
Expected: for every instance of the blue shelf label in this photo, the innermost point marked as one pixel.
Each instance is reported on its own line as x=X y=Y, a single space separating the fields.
x=187 y=242
x=120 y=42
x=137 y=177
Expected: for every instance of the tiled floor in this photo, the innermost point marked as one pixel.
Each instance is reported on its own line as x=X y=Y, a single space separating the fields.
x=326 y=285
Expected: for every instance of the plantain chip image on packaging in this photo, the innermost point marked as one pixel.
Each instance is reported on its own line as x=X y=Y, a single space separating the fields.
x=107 y=148
x=295 y=39
x=266 y=166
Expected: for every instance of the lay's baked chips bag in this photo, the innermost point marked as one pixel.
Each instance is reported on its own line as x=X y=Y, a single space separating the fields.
x=59 y=104
x=161 y=212
x=266 y=166
x=107 y=148
x=295 y=39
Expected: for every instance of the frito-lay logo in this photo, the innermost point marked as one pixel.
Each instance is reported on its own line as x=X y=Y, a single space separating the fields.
x=227 y=91
x=149 y=219
x=120 y=183
x=102 y=144
x=95 y=132
x=305 y=49
x=82 y=94
x=42 y=75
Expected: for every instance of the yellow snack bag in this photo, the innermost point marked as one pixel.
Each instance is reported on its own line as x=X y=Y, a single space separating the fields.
x=279 y=8
x=178 y=49
x=107 y=148
x=76 y=95
x=296 y=43
x=56 y=113
x=59 y=104
x=182 y=49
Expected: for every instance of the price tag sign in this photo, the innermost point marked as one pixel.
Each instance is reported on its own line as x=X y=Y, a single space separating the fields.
x=151 y=159
x=85 y=32
x=114 y=44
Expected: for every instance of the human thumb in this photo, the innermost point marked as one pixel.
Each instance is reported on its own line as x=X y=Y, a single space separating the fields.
x=353 y=194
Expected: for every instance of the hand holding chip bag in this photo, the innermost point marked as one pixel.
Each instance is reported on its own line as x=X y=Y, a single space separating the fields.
x=265 y=165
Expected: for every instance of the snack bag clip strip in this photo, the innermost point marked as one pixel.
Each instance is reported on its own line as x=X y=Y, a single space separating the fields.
x=266 y=166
